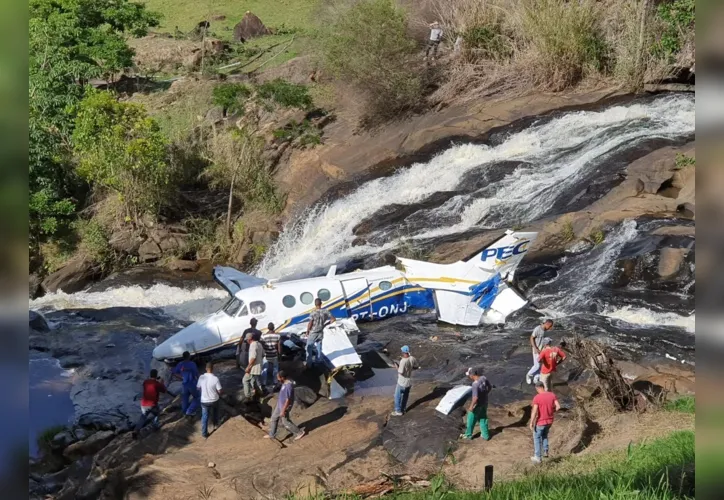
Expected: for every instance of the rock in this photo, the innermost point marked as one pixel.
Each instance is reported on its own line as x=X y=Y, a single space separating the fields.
x=219 y=17
x=91 y=489
x=72 y=277
x=62 y=440
x=686 y=209
x=215 y=47
x=34 y=288
x=193 y=60
x=89 y=446
x=81 y=433
x=249 y=27
x=305 y=396
x=126 y=241
x=215 y=114
x=211 y=465
x=670 y=260
x=422 y=432
x=38 y=322
x=149 y=251
x=183 y=265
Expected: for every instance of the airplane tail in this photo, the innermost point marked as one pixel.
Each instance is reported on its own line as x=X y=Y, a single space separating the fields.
x=504 y=255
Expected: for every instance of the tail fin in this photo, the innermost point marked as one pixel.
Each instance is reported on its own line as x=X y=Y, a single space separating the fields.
x=504 y=255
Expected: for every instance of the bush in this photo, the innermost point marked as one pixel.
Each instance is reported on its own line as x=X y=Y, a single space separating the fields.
x=286 y=94
x=120 y=148
x=229 y=95
x=307 y=134
x=46 y=437
x=566 y=40
x=94 y=242
x=677 y=18
x=683 y=161
x=367 y=44
x=684 y=404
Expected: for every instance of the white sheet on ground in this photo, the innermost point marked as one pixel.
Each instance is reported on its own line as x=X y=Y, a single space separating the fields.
x=336 y=345
x=336 y=391
x=448 y=402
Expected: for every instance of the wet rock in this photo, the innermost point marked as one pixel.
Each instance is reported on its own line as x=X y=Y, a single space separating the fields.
x=249 y=27
x=34 y=288
x=37 y=322
x=183 y=265
x=62 y=440
x=424 y=432
x=149 y=251
x=95 y=443
x=126 y=241
x=686 y=210
x=72 y=277
x=670 y=261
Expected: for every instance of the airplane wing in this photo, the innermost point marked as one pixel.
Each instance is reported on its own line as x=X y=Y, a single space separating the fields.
x=233 y=280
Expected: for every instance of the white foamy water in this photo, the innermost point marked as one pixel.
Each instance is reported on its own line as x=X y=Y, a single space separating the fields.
x=560 y=153
x=647 y=317
x=188 y=305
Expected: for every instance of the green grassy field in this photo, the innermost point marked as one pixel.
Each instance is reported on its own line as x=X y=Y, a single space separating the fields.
x=295 y=14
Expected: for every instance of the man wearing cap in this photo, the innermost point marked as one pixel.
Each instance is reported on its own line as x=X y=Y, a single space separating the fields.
x=536 y=343
x=550 y=357
x=545 y=404
x=478 y=409
x=404 y=382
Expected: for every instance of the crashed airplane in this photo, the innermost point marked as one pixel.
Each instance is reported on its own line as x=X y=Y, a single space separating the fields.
x=468 y=293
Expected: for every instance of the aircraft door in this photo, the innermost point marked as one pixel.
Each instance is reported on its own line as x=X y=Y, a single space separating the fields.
x=357 y=294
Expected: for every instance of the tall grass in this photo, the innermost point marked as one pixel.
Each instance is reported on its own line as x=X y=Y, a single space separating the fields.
x=45 y=438
x=684 y=404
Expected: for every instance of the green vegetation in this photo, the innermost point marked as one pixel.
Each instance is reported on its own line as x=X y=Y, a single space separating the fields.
x=597 y=236
x=367 y=44
x=677 y=18
x=567 y=234
x=285 y=94
x=121 y=149
x=305 y=132
x=684 y=404
x=47 y=435
x=229 y=95
x=683 y=161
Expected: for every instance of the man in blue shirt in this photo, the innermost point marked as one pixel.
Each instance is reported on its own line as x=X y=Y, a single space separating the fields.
x=188 y=373
x=283 y=408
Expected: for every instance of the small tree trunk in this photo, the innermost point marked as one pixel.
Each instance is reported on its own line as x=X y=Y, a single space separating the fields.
x=231 y=203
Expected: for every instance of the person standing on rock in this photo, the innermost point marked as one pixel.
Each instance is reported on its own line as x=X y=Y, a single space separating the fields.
x=152 y=389
x=545 y=404
x=188 y=373
x=478 y=409
x=550 y=358
x=536 y=343
x=210 y=388
x=242 y=350
x=272 y=345
x=253 y=370
x=404 y=382
x=315 y=332
x=434 y=42
x=283 y=408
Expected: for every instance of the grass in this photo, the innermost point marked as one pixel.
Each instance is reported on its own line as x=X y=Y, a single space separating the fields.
x=684 y=404
x=47 y=435
x=683 y=161
x=567 y=234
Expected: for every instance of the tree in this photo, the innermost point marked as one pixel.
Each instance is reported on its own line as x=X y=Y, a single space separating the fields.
x=237 y=165
x=71 y=42
x=120 y=148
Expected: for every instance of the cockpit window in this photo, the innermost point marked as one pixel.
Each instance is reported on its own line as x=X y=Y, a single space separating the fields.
x=233 y=306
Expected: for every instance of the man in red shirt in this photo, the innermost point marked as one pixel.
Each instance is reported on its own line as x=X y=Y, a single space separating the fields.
x=152 y=389
x=545 y=404
x=549 y=358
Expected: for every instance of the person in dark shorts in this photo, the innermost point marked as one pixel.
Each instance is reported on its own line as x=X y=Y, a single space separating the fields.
x=434 y=41
x=152 y=390
x=283 y=408
x=315 y=332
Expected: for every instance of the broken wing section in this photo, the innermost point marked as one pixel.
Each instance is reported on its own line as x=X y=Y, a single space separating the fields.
x=461 y=309
x=233 y=280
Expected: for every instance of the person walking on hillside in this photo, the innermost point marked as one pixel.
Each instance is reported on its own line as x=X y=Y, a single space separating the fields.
x=188 y=373
x=152 y=390
x=283 y=409
x=315 y=332
x=536 y=343
x=210 y=388
x=272 y=345
x=404 y=383
x=252 y=376
x=242 y=350
x=434 y=41
x=478 y=409
x=545 y=404
x=550 y=358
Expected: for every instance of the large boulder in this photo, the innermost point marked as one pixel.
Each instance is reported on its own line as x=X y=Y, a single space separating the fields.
x=670 y=261
x=149 y=251
x=249 y=27
x=37 y=322
x=126 y=241
x=72 y=277
x=89 y=446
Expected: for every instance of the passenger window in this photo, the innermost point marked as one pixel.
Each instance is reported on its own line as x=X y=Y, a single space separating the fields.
x=289 y=301
x=385 y=285
x=306 y=298
x=323 y=294
x=257 y=307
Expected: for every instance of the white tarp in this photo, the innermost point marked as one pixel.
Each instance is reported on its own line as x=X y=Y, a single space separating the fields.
x=451 y=398
x=336 y=345
x=336 y=391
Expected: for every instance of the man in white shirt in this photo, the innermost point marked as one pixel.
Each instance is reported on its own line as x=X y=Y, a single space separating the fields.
x=434 y=42
x=210 y=388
